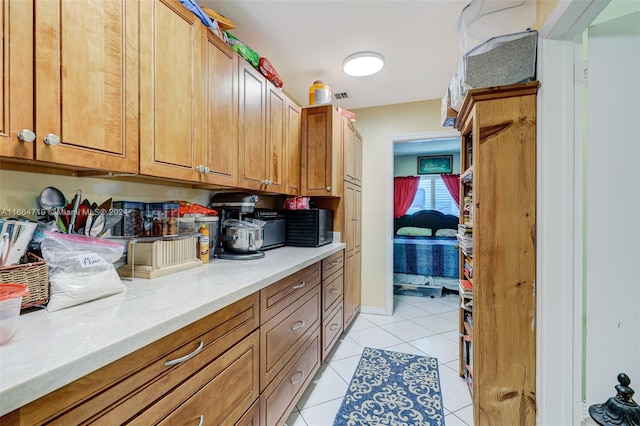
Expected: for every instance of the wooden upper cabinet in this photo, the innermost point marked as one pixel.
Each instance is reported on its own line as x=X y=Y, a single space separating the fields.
x=221 y=113
x=357 y=155
x=86 y=83
x=276 y=139
x=173 y=46
x=16 y=105
x=251 y=129
x=352 y=153
x=293 y=147
x=321 y=151
x=262 y=132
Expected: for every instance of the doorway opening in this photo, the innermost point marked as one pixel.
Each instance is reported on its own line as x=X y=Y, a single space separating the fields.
x=404 y=152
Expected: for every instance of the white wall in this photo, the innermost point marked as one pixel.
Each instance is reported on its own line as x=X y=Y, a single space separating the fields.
x=587 y=319
x=612 y=206
x=378 y=127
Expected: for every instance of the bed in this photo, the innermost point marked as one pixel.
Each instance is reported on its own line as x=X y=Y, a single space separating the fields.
x=425 y=244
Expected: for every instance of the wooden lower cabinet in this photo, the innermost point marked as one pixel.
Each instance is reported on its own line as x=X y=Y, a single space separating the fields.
x=115 y=393
x=332 y=301
x=246 y=364
x=279 y=398
x=221 y=392
x=332 y=328
x=251 y=416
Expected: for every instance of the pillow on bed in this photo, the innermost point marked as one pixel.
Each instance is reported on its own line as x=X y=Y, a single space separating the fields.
x=446 y=233
x=412 y=231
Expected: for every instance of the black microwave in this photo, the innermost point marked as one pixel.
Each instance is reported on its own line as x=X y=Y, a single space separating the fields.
x=308 y=228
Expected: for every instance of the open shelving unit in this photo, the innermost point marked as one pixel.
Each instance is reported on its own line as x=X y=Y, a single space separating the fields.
x=496 y=236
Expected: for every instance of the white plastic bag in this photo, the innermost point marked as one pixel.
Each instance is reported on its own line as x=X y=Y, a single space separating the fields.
x=481 y=20
x=80 y=268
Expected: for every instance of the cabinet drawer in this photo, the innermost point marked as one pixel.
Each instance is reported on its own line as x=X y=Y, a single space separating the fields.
x=285 y=333
x=332 y=290
x=331 y=330
x=116 y=392
x=332 y=264
x=251 y=416
x=277 y=401
x=281 y=294
x=231 y=381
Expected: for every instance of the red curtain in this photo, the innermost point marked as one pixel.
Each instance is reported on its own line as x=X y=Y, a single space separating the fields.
x=452 y=182
x=404 y=191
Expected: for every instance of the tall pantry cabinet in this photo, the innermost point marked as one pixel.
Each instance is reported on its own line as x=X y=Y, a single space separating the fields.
x=352 y=225
x=498 y=214
x=331 y=172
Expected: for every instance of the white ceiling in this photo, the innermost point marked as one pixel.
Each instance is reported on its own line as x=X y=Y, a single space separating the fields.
x=307 y=40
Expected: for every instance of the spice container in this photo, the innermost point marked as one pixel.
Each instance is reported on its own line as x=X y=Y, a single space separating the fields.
x=131 y=223
x=319 y=93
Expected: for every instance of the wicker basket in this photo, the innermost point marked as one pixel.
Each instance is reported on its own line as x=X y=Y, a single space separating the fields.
x=34 y=274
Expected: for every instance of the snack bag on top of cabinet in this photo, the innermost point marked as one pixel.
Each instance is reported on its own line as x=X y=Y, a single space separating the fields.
x=243 y=50
x=269 y=72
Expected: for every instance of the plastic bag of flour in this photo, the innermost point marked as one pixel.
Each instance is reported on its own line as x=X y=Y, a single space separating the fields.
x=80 y=268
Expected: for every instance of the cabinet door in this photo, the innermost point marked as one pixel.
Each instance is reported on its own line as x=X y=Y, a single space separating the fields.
x=349 y=203
x=321 y=151
x=276 y=139
x=348 y=135
x=251 y=135
x=349 y=300
x=357 y=218
x=172 y=48
x=86 y=72
x=357 y=156
x=221 y=113
x=293 y=147
x=16 y=104
x=357 y=284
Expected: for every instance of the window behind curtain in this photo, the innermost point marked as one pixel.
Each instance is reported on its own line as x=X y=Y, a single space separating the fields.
x=433 y=195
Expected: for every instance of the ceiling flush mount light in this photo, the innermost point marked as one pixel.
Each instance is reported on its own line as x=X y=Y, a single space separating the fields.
x=362 y=64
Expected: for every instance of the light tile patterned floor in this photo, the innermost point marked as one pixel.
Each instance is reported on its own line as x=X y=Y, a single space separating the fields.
x=419 y=325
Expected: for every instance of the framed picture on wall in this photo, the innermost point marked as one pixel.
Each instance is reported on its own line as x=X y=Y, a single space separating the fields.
x=435 y=164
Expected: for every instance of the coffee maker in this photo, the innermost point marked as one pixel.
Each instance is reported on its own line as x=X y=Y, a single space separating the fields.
x=233 y=205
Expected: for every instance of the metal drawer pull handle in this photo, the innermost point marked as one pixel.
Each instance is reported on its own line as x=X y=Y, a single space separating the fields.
x=201 y=420
x=295 y=382
x=297 y=327
x=334 y=291
x=186 y=357
x=334 y=326
x=335 y=262
x=295 y=287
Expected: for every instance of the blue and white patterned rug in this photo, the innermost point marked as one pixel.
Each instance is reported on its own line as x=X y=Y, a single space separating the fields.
x=393 y=388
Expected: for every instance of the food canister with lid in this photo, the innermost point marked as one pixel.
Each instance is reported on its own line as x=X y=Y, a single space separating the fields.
x=319 y=93
x=211 y=223
x=11 y=295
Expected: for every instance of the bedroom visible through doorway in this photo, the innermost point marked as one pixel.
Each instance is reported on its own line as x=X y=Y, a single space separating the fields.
x=424 y=260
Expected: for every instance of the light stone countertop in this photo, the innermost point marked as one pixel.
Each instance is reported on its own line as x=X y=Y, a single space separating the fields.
x=52 y=349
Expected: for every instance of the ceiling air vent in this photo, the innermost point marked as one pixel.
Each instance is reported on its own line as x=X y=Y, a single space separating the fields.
x=342 y=95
